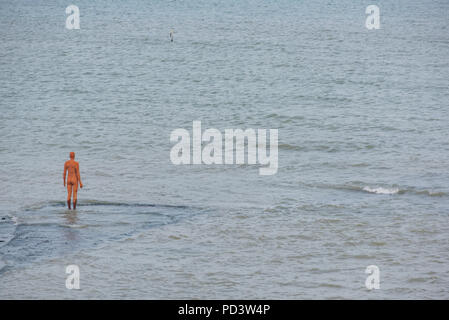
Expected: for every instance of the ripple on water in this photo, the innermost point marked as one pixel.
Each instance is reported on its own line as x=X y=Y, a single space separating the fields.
x=48 y=230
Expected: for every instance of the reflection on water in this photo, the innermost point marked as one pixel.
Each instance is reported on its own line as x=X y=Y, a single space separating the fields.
x=71 y=218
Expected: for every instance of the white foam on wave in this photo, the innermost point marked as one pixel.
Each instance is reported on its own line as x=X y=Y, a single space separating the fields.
x=9 y=218
x=380 y=190
x=15 y=220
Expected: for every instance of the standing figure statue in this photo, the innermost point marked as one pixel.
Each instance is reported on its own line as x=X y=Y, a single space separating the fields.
x=73 y=178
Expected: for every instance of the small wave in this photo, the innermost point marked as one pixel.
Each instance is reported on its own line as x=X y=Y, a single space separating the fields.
x=381 y=190
x=9 y=219
x=126 y=204
x=15 y=220
x=431 y=193
x=86 y=203
x=329 y=285
x=286 y=146
x=8 y=225
x=275 y=115
x=2 y=266
x=392 y=189
x=409 y=190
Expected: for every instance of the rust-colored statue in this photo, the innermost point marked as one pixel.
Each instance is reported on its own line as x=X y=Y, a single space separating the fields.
x=73 y=178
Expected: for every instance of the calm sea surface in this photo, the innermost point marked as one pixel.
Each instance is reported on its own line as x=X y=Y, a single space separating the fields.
x=363 y=173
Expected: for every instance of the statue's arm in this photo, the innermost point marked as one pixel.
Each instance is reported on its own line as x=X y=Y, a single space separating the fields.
x=65 y=172
x=78 y=174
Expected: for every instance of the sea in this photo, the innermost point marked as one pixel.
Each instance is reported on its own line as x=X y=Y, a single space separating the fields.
x=363 y=150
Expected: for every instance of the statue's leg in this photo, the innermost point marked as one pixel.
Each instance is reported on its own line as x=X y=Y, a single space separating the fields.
x=75 y=194
x=69 y=194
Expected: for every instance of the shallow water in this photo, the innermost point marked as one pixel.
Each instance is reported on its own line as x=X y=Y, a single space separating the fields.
x=363 y=151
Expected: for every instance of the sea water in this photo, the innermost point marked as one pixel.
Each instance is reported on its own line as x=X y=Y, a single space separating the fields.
x=363 y=173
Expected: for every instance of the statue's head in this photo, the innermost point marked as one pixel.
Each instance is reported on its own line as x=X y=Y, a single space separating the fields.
x=72 y=155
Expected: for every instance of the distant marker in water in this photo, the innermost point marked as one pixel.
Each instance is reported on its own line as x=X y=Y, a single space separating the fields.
x=171 y=35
